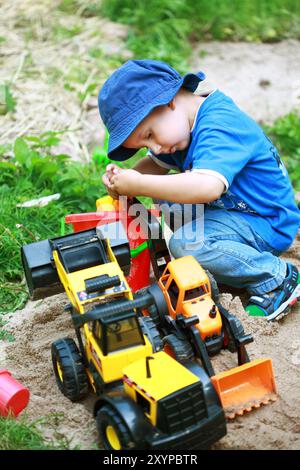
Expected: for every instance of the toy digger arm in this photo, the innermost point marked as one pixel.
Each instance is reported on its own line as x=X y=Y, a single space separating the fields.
x=236 y=332
x=118 y=306
x=188 y=324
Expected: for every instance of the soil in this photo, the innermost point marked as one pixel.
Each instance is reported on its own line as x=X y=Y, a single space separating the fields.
x=264 y=81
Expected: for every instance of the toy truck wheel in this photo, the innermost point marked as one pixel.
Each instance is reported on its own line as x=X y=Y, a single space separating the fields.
x=69 y=370
x=112 y=430
x=179 y=349
x=159 y=309
x=214 y=287
x=149 y=329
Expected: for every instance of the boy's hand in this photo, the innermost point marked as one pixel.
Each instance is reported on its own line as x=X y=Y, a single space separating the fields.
x=112 y=194
x=125 y=182
x=111 y=169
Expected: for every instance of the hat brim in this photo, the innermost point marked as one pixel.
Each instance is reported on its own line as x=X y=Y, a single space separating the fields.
x=120 y=154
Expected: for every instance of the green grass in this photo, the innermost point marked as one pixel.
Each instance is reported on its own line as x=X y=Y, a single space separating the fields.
x=4 y=334
x=20 y=434
x=7 y=101
x=166 y=29
x=33 y=172
x=61 y=32
x=76 y=78
x=83 y=7
x=285 y=133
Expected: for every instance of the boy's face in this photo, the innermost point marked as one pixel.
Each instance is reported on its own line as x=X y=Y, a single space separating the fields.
x=165 y=130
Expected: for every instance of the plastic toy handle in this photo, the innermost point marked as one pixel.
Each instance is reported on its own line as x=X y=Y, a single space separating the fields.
x=138 y=249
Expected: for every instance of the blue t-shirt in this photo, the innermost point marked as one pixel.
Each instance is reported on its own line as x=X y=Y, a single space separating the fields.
x=227 y=143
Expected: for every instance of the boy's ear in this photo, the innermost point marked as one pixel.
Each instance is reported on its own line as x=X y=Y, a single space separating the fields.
x=172 y=104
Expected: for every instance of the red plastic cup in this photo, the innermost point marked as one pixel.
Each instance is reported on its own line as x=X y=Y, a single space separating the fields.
x=14 y=397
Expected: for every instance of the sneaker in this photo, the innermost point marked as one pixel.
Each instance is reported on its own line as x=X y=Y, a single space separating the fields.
x=279 y=301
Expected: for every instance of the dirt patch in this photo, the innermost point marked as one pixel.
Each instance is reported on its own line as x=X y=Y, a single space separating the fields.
x=263 y=79
x=276 y=426
x=55 y=64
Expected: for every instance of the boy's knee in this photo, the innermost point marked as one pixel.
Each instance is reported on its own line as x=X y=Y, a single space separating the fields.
x=176 y=247
x=181 y=247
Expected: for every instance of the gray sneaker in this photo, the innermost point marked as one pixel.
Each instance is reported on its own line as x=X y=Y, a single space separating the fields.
x=278 y=302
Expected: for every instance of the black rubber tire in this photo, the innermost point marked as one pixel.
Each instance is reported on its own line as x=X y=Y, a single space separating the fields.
x=181 y=349
x=149 y=329
x=74 y=382
x=159 y=309
x=108 y=416
x=215 y=294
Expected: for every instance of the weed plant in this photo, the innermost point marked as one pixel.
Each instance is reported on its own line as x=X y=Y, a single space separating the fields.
x=28 y=171
x=22 y=434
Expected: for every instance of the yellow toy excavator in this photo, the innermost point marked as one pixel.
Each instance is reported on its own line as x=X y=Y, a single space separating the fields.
x=146 y=399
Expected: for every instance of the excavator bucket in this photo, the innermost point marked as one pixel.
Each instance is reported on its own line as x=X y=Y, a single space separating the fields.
x=246 y=387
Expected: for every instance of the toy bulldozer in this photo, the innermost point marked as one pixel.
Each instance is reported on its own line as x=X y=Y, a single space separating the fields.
x=146 y=399
x=194 y=324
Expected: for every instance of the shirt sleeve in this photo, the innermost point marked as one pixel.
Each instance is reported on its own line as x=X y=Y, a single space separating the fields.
x=213 y=173
x=221 y=151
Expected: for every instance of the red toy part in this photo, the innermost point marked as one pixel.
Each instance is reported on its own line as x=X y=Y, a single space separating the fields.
x=139 y=275
x=140 y=263
x=91 y=219
x=14 y=397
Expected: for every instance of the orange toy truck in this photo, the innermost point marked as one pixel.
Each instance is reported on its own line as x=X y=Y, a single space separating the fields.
x=194 y=324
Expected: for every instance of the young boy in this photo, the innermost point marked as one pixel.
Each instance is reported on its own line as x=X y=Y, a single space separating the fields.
x=226 y=162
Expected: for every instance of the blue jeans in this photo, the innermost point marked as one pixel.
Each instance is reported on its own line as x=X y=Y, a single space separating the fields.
x=230 y=249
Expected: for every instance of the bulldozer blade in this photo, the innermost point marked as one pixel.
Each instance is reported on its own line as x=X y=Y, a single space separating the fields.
x=246 y=387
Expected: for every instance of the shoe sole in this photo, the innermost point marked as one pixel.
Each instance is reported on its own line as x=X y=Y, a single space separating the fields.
x=285 y=306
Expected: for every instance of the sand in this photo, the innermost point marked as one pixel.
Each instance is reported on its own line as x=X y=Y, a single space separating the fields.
x=263 y=79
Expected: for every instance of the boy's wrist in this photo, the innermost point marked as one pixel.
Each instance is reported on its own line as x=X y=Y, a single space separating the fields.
x=138 y=184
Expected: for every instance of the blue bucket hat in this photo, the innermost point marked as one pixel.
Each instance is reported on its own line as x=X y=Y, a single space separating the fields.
x=132 y=92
